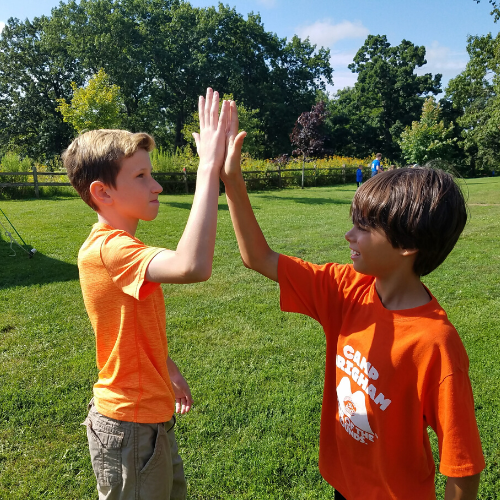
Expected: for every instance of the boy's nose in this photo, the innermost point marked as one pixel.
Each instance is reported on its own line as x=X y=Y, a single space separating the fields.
x=349 y=234
x=157 y=187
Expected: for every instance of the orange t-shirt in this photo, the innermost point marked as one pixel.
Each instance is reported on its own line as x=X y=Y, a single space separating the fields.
x=389 y=375
x=128 y=317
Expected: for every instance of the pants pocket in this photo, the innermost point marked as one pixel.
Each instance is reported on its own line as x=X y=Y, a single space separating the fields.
x=105 y=452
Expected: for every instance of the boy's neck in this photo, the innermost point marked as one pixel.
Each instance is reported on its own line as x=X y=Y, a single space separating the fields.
x=405 y=291
x=117 y=222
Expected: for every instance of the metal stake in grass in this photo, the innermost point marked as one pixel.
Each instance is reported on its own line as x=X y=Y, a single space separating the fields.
x=12 y=240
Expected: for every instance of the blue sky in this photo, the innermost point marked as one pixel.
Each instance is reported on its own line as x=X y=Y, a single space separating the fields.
x=342 y=25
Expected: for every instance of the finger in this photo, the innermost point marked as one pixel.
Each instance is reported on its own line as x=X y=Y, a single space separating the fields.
x=208 y=105
x=197 y=138
x=177 y=405
x=201 y=111
x=223 y=116
x=214 y=114
x=238 y=141
x=233 y=126
x=189 y=402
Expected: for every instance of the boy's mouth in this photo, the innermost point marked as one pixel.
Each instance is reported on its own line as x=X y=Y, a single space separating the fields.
x=354 y=253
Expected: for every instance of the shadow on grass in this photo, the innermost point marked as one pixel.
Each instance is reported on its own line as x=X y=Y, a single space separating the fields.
x=20 y=270
x=310 y=201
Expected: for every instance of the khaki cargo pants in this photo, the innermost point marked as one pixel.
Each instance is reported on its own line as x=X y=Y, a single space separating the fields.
x=134 y=461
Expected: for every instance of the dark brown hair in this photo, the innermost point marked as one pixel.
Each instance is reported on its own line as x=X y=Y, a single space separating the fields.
x=95 y=156
x=417 y=208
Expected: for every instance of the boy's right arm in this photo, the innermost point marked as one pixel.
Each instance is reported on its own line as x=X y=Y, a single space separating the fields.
x=255 y=252
x=191 y=262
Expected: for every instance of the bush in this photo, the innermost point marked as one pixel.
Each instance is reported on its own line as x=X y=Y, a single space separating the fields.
x=11 y=162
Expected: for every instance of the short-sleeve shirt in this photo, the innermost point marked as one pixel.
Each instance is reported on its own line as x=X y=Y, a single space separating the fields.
x=389 y=375
x=128 y=317
x=375 y=164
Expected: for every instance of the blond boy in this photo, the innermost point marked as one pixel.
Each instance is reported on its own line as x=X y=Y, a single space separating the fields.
x=130 y=424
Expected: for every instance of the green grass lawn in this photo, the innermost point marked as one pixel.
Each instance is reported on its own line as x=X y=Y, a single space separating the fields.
x=256 y=374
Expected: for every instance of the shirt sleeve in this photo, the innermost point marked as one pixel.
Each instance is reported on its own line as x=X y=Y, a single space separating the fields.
x=451 y=414
x=126 y=259
x=310 y=289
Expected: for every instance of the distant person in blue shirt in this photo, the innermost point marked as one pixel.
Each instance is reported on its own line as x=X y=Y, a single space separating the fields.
x=376 y=164
x=359 y=176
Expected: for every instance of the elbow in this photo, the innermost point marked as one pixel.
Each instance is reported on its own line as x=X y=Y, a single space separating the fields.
x=197 y=274
x=246 y=263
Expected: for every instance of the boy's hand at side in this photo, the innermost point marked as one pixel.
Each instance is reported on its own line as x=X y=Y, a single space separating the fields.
x=183 y=399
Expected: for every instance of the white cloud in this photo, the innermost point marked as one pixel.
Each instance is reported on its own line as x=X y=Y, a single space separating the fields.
x=342 y=77
x=326 y=34
x=341 y=58
x=441 y=59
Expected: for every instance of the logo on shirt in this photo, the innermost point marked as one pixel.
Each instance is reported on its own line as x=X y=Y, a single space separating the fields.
x=353 y=415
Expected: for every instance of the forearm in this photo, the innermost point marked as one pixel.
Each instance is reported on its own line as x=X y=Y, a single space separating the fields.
x=255 y=252
x=195 y=251
x=462 y=488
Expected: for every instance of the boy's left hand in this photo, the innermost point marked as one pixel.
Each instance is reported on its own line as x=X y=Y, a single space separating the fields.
x=234 y=142
x=183 y=399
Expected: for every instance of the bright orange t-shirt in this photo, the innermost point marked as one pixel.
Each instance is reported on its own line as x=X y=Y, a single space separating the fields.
x=128 y=317
x=389 y=375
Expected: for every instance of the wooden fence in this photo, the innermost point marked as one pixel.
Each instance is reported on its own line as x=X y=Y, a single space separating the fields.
x=185 y=181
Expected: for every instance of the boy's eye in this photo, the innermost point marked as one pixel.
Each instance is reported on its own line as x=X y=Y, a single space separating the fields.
x=140 y=175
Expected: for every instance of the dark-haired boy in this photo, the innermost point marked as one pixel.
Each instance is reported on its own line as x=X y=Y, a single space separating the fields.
x=130 y=424
x=394 y=363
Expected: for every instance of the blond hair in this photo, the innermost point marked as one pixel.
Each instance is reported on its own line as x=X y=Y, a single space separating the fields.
x=95 y=156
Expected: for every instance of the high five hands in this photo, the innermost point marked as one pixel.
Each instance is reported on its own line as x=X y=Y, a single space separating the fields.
x=218 y=142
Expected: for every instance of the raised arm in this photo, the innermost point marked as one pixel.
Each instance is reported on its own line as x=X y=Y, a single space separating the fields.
x=191 y=262
x=255 y=252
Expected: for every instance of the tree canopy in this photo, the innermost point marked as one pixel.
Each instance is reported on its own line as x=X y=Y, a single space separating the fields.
x=387 y=96
x=162 y=54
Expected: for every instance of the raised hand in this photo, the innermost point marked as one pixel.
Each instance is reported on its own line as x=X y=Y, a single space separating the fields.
x=234 y=143
x=211 y=141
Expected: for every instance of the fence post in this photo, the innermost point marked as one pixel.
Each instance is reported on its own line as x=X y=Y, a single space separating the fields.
x=35 y=181
x=185 y=180
x=315 y=175
x=343 y=173
x=303 y=171
x=279 y=175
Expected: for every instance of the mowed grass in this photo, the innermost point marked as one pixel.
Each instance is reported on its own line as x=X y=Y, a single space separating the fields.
x=256 y=373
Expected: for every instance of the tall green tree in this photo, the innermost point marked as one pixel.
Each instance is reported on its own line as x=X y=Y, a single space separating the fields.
x=163 y=54
x=475 y=95
x=96 y=105
x=428 y=139
x=387 y=96
x=36 y=68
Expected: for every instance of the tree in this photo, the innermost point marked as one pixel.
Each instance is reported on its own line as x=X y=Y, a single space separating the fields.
x=496 y=9
x=36 y=68
x=429 y=138
x=475 y=95
x=163 y=54
x=307 y=136
x=387 y=96
x=97 y=105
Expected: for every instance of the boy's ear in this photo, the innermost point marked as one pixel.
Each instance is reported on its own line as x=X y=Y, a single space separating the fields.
x=406 y=251
x=100 y=193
